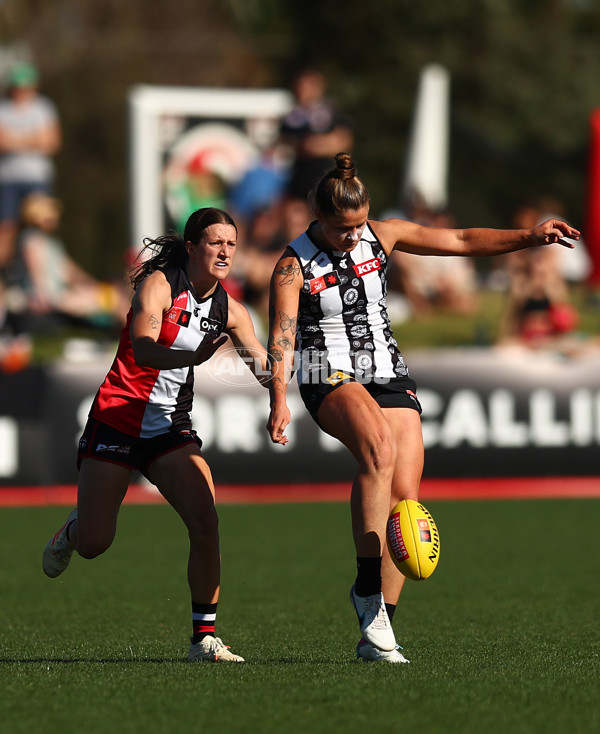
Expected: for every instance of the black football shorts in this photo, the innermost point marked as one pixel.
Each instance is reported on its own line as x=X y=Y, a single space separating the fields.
x=105 y=443
x=397 y=392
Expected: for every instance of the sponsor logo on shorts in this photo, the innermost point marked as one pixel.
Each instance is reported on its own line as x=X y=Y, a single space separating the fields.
x=338 y=377
x=113 y=448
x=370 y=266
x=330 y=280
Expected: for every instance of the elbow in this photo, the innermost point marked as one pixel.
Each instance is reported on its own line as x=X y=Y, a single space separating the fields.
x=141 y=353
x=140 y=359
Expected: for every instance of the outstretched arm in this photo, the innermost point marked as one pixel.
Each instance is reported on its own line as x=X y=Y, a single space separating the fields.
x=398 y=234
x=286 y=283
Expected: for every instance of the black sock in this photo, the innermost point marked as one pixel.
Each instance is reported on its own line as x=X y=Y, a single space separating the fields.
x=390 y=609
x=204 y=617
x=368 y=578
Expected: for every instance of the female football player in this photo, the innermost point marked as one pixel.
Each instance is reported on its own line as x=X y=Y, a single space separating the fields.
x=328 y=308
x=140 y=417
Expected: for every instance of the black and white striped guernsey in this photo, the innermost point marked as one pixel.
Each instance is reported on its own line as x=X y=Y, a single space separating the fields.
x=342 y=318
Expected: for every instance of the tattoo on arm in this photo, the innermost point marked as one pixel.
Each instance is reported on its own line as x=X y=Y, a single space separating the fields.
x=154 y=322
x=288 y=273
x=277 y=384
x=286 y=322
x=277 y=354
x=286 y=343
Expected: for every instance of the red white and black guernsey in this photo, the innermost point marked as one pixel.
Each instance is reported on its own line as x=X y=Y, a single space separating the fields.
x=342 y=318
x=145 y=401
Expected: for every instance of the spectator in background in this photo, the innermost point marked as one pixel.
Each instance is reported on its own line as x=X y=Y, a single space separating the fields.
x=201 y=187
x=538 y=313
x=529 y=214
x=30 y=135
x=46 y=286
x=573 y=269
x=434 y=282
x=315 y=130
x=264 y=242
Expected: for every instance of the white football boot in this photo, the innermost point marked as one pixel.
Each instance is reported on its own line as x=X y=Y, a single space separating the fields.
x=375 y=625
x=58 y=550
x=364 y=651
x=213 y=649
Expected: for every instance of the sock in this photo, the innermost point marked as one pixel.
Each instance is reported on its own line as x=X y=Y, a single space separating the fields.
x=368 y=578
x=203 y=620
x=390 y=609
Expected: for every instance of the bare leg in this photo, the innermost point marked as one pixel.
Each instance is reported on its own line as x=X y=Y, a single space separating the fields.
x=406 y=425
x=351 y=415
x=184 y=479
x=102 y=487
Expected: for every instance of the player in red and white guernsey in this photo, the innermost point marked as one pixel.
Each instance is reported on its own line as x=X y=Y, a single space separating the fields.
x=328 y=316
x=141 y=416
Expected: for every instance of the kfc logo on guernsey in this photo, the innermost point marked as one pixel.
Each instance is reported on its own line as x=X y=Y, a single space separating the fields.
x=370 y=266
x=325 y=281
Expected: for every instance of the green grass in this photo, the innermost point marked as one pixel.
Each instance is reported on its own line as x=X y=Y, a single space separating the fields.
x=503 y=637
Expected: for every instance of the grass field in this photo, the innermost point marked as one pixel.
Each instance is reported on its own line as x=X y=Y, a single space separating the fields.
x=503 y=637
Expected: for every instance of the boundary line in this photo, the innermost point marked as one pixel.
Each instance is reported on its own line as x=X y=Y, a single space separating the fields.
x=431 y=489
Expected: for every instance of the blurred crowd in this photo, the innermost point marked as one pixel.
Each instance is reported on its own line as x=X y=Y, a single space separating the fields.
x=42 y=287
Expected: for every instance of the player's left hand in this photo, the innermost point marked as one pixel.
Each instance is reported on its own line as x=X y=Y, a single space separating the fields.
x=279 y=419
x=206 y=350
x=554 y=231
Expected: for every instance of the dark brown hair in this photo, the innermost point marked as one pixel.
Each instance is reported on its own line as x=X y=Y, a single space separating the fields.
x=340 y=190
x=170 y=249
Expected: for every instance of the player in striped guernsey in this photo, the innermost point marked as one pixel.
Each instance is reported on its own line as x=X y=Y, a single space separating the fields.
x=328 y=320
x=141 y=416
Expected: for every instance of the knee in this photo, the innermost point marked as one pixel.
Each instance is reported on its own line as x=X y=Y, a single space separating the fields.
x=204 y=527
x=380 y=454
x=93 y=545
x=91 y=548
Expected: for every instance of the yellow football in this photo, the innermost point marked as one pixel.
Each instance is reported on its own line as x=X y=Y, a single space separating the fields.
x=413 y=540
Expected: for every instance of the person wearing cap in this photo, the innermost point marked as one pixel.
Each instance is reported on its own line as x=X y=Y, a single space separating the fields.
x=30 y=135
